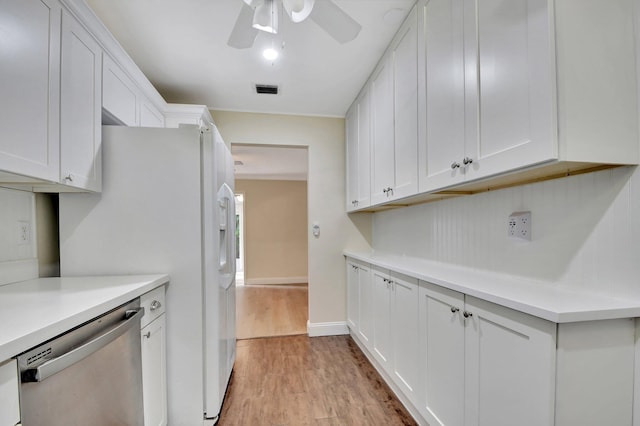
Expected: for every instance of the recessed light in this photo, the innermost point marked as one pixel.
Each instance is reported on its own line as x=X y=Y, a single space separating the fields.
x=270 y=54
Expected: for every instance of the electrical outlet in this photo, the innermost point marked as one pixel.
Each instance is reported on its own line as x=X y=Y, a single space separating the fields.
x=519 y=225
x=24 y=232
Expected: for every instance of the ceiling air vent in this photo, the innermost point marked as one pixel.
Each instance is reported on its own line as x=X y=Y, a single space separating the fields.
x=266 y=89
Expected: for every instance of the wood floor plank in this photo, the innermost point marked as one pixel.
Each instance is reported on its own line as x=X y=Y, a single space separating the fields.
x=297 y=380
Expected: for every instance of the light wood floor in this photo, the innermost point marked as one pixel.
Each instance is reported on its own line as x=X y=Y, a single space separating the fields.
x=271 y=310
x=297 y=380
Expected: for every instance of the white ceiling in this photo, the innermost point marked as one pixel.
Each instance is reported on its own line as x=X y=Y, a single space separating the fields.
x=270 y=162
x=181 y=46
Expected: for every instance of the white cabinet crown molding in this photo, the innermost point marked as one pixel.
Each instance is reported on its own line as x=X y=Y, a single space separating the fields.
x=114 y=49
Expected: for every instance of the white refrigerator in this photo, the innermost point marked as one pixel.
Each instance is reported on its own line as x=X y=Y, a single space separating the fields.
x=167 y=206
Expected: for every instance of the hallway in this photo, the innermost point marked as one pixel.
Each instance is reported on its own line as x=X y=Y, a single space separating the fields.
x=271 y=310
x=297 y=380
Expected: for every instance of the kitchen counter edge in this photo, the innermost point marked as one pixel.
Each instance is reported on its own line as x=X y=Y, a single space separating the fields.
x=113 y=292
x=540 y=299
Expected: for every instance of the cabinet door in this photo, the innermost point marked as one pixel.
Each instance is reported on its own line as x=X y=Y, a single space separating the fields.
x=364 y=151
x=382 y=317
x=365 y=288
x=510 y=85
x=30 y=88
x=80 y=114
x=351 y=127
x=382 y=169
x=404 y=329
x=154 y=372
x=9 y=400
x=441 y=399
x=509 y=367
x=405 y=108
x=441 y=149
x=353 y=296
x=119 y=95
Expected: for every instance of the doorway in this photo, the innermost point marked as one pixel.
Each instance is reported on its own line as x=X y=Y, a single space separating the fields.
x=272 y=231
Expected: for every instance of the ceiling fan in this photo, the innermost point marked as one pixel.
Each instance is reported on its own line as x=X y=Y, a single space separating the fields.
x=262 y=15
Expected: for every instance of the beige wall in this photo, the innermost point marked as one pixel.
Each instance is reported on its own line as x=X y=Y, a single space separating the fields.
x=275 y=213
x=324 y=138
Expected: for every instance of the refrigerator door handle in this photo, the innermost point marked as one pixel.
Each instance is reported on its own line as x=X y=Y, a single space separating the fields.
x=61 y=362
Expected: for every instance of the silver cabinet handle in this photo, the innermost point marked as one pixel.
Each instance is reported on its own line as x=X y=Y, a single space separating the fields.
x=454 y=309
x=155 y=305
x=51 y=367
x=455 y=165
x=385 y=190
x=69 y=177
x=147 y=334
x=467 y=314
x=467 y=161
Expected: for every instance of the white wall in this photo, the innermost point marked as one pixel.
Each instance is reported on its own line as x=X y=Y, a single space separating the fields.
x=585 y=231
x=325 y=140
x=17 y=258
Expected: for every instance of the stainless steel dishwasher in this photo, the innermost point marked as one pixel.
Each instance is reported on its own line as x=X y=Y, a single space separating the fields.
x=90 y=375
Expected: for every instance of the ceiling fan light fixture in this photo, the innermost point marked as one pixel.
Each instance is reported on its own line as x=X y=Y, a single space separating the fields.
x=298 y=10
x=270 y=54
x=265 y=17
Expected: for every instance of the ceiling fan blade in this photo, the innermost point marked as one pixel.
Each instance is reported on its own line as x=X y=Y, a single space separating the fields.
x=243 y=34
x=335 y=21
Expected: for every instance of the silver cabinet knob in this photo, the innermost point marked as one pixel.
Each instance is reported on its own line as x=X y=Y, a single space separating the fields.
x=155 y=305
x=467 y=314
x=455 y=165
x=454 y=309
x=467 y=161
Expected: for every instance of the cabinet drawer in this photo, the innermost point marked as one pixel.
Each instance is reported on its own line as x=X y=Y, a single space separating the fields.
x=153 y=304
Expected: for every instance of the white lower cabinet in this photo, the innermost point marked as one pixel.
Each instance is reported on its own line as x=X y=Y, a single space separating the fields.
x=154 y=363
x=9 y=394
x=395 y=320
x=360 y=309
x=484 y=364
x=382 y=317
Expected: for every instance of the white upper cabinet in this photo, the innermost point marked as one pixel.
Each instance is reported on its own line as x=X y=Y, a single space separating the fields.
x=52 y=96
x=119 y=95
x=122 y=102
x=382 y=143
x=80 y=102
x=441 y=148
x=509 y=87
x=359 y=154
x=30 y=87
x=405 y=111
x=394 y=115
x=506 y=86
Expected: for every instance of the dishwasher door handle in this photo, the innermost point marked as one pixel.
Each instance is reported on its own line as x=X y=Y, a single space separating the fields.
x=57 y=364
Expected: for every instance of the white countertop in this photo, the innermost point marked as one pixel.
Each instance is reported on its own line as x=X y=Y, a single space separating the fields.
x=543 y=300
x=34 y=311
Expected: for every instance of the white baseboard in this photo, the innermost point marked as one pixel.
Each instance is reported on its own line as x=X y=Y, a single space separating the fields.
x=327 y=329
x=276 y=280
x=18 y=270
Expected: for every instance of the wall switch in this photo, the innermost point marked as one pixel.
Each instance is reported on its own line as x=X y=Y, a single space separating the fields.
x=520 y=225
x=24 y=232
